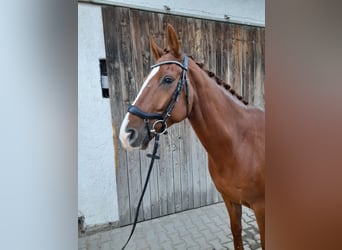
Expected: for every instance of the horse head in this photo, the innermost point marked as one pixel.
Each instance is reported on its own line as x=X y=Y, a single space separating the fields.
x=165 y=97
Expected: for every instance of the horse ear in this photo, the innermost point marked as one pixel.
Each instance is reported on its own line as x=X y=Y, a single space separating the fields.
x=172 y=40
x=157 y=52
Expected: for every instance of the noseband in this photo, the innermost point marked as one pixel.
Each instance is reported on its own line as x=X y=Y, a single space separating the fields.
x=162 y=118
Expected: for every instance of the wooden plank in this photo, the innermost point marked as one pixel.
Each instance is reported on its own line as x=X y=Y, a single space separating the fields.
x=166 y=165
x=140 y=49
x=250 y=82
x=130 y=87
x=170 y=182
x=111 y=17
x=218 y=49
x=205 y=42
x=145 y=163
x=162 y=198
x=230 y=52
x=154 y=28
x=259 y=66
x=177 y=170
x=235 y=60
x=244 y=62
x=225 y=29
x=183 y=158
x=198 y=41
x=211 y=48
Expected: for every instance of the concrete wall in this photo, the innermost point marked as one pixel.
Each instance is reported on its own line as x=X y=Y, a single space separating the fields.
x=97 y=195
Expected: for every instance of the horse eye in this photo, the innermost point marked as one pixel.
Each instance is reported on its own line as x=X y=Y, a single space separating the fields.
x=167 y=80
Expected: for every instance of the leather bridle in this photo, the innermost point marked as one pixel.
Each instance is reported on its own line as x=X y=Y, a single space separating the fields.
x=162 y=118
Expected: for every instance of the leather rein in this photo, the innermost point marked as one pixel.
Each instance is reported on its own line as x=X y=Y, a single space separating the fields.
x=160 y=119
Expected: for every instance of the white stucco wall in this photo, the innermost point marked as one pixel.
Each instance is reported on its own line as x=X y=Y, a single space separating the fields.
x=240 y=11
x=97 y=196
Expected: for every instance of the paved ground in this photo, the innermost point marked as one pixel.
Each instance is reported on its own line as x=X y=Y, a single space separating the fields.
x=204 y=228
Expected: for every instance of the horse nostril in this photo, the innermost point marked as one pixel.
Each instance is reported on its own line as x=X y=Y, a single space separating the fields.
x=133 y=135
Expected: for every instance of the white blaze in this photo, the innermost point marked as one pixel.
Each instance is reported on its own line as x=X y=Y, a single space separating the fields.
x=149 y=77
x=124 y=136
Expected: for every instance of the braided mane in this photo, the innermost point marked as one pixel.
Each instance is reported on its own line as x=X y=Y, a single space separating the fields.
x=219 y=81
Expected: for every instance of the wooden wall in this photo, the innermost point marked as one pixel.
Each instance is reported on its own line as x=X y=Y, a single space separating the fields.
x=180 y=179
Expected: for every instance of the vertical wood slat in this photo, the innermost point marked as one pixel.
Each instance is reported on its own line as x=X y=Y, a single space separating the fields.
x=180 y=180
x=140 y=50
x=111 y=16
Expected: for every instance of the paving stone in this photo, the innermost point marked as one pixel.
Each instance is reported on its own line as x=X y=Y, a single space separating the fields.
x=175 y=238
x=208 y=235
x=202 y=243
x=162 y=238
x=230 y=245
x=165 y=246
x=192 y=248
x=205 y=228
x=253 y=223
x=213 y=228
x=215 y=244
x=246 y=247
x=180 y=246
x=190 y=242
x=223 y=238
x=257 y=237
x=170 y=228
x=195 y=233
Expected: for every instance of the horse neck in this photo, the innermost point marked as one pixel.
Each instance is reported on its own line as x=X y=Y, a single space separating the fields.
x=217 y=117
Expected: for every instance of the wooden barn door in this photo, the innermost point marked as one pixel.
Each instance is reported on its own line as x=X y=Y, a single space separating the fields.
x=180 y=179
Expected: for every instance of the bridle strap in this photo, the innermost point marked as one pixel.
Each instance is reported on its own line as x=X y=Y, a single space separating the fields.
x=182 y=81
x=183 y=66
x=162 y=118
x=146 y=116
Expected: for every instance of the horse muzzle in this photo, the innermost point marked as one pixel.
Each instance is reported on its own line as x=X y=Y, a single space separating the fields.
x=133 y=136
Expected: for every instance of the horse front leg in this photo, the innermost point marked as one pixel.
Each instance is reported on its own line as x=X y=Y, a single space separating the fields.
x=235 y=212
x=259 y=211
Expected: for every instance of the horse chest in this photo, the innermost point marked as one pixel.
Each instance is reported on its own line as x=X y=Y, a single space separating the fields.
x=233 y=183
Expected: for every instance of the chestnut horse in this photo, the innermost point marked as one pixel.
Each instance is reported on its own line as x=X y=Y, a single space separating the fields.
x=232 y=132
